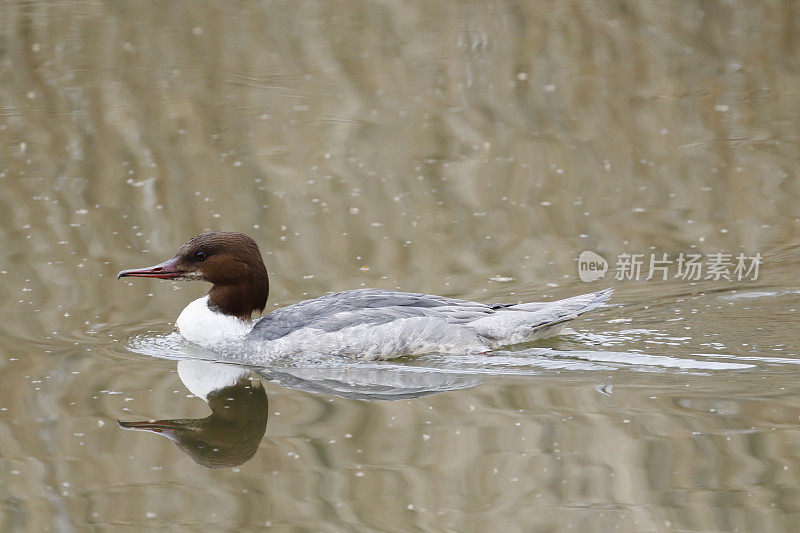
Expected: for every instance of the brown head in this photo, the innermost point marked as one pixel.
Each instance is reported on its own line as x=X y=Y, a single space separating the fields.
x=229 y=260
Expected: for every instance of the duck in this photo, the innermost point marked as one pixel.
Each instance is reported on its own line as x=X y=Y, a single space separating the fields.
x=365 y=324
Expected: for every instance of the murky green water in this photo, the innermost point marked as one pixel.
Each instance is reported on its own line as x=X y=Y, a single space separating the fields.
x=471 y=149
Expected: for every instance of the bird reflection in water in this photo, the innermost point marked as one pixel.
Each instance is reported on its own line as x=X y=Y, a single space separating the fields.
x=230 y=435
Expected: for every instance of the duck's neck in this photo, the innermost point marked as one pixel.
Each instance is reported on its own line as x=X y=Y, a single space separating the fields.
x=242 y=299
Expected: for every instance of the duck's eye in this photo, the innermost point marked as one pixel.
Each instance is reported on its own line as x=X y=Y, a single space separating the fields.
x=200 y=256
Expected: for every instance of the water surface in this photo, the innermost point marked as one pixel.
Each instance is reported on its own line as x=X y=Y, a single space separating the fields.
x=471 y=149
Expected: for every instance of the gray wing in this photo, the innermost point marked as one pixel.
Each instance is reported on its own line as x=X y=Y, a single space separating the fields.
x=364 y=306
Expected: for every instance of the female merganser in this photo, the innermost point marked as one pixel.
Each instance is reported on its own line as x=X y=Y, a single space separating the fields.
x=363 y=323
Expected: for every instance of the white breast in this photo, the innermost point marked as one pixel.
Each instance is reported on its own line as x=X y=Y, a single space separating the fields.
x=200 y=324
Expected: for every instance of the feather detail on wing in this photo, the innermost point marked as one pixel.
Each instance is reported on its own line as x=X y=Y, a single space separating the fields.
x=499 y=324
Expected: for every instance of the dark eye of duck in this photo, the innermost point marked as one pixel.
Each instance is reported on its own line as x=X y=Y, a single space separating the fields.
x=200 y=256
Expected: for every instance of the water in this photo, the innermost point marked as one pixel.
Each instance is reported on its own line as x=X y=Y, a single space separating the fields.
x=466 y=149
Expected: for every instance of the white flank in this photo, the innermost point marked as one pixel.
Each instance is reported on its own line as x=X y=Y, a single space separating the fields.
x=404 y=336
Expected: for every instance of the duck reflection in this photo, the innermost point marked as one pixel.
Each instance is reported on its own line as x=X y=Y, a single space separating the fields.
x=378 y=382
x=230 y=435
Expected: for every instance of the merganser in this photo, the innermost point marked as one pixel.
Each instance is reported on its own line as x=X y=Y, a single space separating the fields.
x=364 y=324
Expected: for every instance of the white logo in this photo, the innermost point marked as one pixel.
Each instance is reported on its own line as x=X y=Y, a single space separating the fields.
x=591 y=266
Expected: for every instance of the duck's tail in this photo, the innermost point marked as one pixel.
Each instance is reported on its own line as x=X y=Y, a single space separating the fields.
x=535 y=320
x=570 y=307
